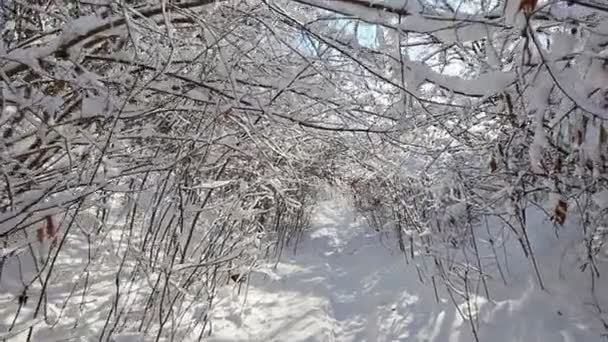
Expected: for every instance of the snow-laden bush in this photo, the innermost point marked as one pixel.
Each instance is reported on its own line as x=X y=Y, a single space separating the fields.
x=150 y=150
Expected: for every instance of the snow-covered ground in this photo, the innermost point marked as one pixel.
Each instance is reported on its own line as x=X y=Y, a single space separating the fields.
x=345 y=283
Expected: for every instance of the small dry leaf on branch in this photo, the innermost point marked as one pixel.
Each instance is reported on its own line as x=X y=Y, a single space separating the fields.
x=493 y=165
x=527 y=6
x=48 y=231
x=559 y=212
x=579 y=137
x=557 y=166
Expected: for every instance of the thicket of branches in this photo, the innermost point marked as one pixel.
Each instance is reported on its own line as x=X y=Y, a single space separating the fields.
x=161 y=148
x=519 y=131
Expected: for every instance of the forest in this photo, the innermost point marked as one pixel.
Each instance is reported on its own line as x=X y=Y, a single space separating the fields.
x=154 y=152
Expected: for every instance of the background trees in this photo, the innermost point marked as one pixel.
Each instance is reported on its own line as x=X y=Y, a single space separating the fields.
x=177 y=143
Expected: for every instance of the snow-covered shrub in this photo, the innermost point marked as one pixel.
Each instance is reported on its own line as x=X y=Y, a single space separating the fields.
x=177 y=143
x=149 y=137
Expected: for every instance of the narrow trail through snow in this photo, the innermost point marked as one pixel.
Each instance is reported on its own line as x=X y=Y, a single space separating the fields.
x=343 y=284
x=346 y=283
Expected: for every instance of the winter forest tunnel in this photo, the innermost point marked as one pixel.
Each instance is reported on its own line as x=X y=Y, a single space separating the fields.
x=153 y=151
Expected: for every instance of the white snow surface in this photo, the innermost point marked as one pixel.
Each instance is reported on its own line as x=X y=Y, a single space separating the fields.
x=346 y=283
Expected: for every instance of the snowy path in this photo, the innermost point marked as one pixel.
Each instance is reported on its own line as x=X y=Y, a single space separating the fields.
x=346 y=284
x=342 y=285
